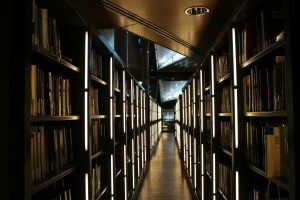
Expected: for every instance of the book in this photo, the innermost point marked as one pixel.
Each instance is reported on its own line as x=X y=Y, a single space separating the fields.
x=273 y=167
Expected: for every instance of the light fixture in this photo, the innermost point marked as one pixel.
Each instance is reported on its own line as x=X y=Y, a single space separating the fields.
x=196 y=10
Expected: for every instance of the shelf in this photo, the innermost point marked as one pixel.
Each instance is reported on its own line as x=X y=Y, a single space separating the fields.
x=54 y=118
x=207 y=88
x=208 y=174
x=263 y=53
x=98 y=80
x=39 y=186
x=257 y=170
x=118 y=173
x=98 y=116
x=224 y=78
x=47 y=54
x=224 y=114
x=102 y=193
x=282 y=182
x=208 y=114
x=117 y=116
x=266 y=114
x=222 y=194
x=96 y=155
x=227 y=152
x=117 y=90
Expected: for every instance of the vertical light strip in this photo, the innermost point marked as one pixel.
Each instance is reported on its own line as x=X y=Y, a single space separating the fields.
x=142 y=148
x=234 y=58
x=214 y=174
x=144 y=107
x=111 y=117
x=194 y=113
x=145 y=143
x=185 y=110
x=124 y=102
x=195 y=164
x=202 y=187
x=237 y=186
x=125 y=160
x=194 y=91
x=124 y=117
x=86 y=78
x=112 y=175
x=212 y=75
x=137 y=106
x=86 y=60
x=213 y=115
x=183 y=139
x=124 y=86
x=131 y=102
x=125 y=170
x=201 y=102
x=138 y=154
x=189 y=106
x=201 y=117
x=85 y=120
x=236 y=121
x=132 y=158
x=141 y=107
x=190 y=155
x=111 y=86
x=194 y=106
x=86 y=186
x=201 y=85
x=202 y=159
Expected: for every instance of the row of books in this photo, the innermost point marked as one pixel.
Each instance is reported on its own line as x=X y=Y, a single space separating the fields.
x=51 y=150
x=50 y=94
x=97 y=65
x=207 y=103
x=45 y=32
x=95 y=101
x=267 y=147
x=265 y=88
x=258 y=33
x=98 y=136
x=225 y=100
x=225 y=179
x=222 y=65
x=226 y=135
x=96 y=181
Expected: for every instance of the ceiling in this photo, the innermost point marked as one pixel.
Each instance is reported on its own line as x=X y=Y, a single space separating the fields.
x=164 y=22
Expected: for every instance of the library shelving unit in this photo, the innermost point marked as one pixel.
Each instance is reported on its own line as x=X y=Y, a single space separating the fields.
x=84 y=115
x=178 y=120
x=54 y=82
x=243 y=110
x=155 y=124
x=260 y=89
x=118 y=131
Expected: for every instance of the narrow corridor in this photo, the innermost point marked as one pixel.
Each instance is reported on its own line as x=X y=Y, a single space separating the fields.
x=165 y=179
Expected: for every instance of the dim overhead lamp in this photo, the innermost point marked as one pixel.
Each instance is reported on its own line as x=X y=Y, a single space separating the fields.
x=196 y=10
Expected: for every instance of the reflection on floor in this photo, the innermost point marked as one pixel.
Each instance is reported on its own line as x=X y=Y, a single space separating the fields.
x=165 y=179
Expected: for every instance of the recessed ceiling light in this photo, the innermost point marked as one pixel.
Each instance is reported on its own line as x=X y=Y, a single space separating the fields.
x=196 y=10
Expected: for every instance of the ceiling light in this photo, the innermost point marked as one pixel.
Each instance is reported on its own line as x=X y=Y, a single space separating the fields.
x=196 y=10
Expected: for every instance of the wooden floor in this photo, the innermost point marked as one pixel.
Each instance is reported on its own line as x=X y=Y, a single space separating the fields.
x=164 y=179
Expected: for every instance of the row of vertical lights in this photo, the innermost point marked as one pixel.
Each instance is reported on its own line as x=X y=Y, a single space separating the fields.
x=141 y=107
x=187 y=154
x=186 y=103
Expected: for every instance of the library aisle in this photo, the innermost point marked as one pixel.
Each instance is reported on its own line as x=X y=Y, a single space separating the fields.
x=165 y=179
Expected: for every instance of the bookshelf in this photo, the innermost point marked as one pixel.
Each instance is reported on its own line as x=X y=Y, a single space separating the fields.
x=54 y=75
x=244 y=110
